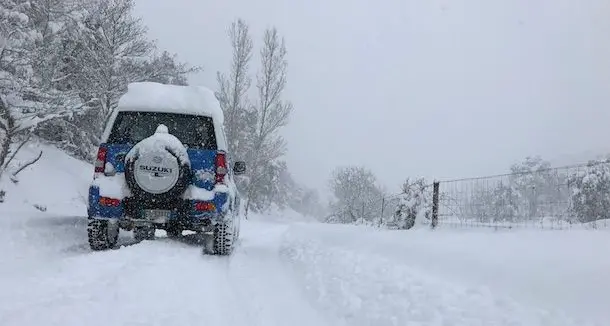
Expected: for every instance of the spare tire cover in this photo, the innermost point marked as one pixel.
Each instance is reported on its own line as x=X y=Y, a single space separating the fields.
x=156 y=163
x=156 y=172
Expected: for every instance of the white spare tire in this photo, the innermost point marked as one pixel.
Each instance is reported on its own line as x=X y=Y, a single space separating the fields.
x=158 y=168
x=156 y=172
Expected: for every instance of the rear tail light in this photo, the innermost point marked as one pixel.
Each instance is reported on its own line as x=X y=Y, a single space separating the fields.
x=204 y=206
x=107 y=201
x=100 y=162
x=221 y=166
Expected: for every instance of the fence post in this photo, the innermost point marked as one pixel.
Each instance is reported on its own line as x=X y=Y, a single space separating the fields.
x=435 y=191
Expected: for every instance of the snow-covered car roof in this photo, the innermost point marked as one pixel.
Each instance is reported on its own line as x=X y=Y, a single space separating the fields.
x=156 y=97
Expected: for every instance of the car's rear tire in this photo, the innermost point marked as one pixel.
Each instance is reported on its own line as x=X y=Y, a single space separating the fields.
x=224 y=238
x=141 y=233
x=102 y=235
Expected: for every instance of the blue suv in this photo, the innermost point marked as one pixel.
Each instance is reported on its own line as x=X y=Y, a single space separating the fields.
x=163 y=163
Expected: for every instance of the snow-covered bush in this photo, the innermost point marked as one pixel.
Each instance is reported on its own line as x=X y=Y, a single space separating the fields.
x=415 y=204
x=590 y=197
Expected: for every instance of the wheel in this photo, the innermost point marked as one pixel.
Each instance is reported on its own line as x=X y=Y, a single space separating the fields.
x=144 y=233
x=102 y=235
x=224 y=238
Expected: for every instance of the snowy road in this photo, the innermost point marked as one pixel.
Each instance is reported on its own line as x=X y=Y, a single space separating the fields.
x=159 y=282
x=287 y=274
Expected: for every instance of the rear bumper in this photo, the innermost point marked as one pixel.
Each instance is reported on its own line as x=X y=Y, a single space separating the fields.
x=183 y=210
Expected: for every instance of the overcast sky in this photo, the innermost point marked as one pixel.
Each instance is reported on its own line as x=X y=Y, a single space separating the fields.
x=418 y=87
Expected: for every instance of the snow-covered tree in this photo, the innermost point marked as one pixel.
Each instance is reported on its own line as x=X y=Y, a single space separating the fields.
x=590 y=197
x=240 y=118
x=63 y=65
x=299 y=198
x=308 y=203
x=267 y=146
x=357 y=195
x=15 y=39
x=94 y=49
x=6 y=127
x=253 y=127
x=109 y=44
x=27 y=71
x=271 y=187
x=166 y=69
x=534 y=184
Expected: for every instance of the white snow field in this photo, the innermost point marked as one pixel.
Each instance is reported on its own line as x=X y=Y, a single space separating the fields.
x=285 y=271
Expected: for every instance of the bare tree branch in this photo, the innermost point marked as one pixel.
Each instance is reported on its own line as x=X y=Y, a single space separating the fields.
x=28 y=164
x=27 y=139
x=233 y=89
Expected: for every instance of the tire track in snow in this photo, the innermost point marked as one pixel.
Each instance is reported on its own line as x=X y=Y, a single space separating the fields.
x=265 y=280
x=163 y=282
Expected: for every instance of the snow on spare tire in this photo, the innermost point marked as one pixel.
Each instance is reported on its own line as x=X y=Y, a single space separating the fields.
x=157 y=168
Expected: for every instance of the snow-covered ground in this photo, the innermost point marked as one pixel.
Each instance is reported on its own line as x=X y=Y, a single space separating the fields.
x=467 y=277
x=287 y=270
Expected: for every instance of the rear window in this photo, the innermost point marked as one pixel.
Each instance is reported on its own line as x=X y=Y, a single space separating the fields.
x=193 y=131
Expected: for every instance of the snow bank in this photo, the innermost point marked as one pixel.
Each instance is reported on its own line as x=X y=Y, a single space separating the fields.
x=43 y=216
x=57 y=183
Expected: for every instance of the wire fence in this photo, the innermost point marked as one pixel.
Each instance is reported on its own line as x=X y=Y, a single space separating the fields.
x=576 y=196
x=562 y=198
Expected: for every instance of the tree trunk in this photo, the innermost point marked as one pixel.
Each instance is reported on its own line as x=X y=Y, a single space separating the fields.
x=7 y=125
